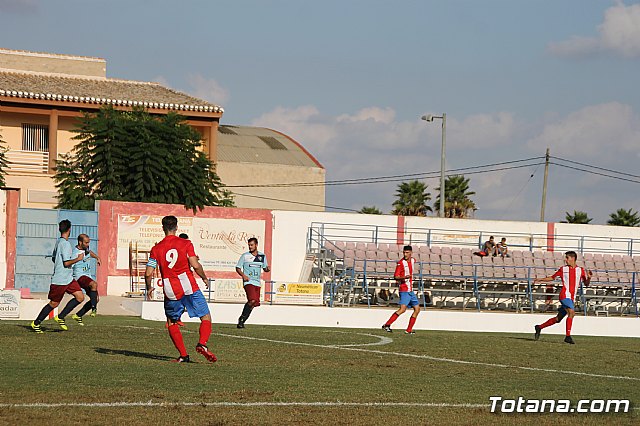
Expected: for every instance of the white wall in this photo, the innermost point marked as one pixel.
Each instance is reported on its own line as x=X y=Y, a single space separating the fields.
x=3 y=239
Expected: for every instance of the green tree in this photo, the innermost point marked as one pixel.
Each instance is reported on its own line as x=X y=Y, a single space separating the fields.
x=134 y=156
x=457 y=203
x=623 y=217
x=411 y=199
x=4 y=165
x=577 y=217
x=370 y=210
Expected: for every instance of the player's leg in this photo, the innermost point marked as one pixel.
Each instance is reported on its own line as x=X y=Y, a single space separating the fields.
x=86 y=284
x=253 y=300
x=551 y=321
x=55 y=296
x=173 y=309
x=75 y=290
x=196 y=306
x=571 y=312
x=404 y=301
x=415 y=304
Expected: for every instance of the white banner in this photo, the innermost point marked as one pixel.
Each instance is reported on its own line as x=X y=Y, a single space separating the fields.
x=232 y=290
x=9 y=304
x=298 y=294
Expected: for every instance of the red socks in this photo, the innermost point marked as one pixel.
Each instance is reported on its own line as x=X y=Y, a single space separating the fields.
x=176 y=338
x=391 y=320
x=412 y=321
x=205 y=332
x=549 y=322
x=569 y=324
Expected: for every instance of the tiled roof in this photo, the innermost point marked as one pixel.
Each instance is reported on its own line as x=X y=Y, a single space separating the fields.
x=243 y=144
x=96 y=90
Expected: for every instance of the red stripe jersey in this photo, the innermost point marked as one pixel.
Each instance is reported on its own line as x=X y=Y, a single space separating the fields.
x=570 y=280
x=404 y=268
x=171 y=255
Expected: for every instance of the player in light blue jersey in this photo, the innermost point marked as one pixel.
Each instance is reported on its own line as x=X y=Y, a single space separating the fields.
x=82 y=274
x=250 y=267
x=61 y=281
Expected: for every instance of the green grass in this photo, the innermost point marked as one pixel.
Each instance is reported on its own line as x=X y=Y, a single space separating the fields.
x=116 y=359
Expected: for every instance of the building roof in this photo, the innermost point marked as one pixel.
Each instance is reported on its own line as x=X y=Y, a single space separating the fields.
x=242 y=144
x=98 y=90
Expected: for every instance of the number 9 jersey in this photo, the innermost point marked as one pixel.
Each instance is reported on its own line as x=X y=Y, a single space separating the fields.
x=171 y=255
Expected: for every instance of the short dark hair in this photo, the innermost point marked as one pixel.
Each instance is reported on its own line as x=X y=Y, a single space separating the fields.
x=81 y=237
x=64 y=226
x=407 y=248
x=571 y=254
x=184 y=236
x=491 y=237
x=169 y=223
x=254 y=239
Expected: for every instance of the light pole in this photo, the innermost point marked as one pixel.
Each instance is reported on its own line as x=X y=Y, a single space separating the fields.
x=443 y=117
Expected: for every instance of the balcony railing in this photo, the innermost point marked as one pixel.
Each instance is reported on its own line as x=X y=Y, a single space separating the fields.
x=27 y=161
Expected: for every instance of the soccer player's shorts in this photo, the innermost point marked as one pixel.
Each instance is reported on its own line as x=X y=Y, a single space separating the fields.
x=253 y=293
x=85 y=282
x=195 y=304
x=56 y=292
x=564 y=305
x=409 y=299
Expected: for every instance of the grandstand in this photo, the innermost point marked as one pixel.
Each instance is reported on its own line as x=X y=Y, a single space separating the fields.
x=360 y=270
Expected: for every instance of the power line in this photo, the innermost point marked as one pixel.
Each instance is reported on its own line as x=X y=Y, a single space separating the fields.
x=297 y=202
x=596 y=167
x=595 y=173
x=395 y=178
x=520 y=192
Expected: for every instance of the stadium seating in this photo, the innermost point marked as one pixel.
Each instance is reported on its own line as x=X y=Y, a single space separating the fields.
x=452 y=277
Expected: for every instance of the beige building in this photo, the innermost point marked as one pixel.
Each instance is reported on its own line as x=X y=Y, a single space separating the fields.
x=42 y=95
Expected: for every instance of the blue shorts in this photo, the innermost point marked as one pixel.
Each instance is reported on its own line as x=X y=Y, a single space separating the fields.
x=195 y=304
x=564 y=304
x=408 y=298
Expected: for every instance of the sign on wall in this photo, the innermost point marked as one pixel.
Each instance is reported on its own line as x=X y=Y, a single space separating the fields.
x=298 y=293
x=218 y=242
x=231 y=290
x=9 y=304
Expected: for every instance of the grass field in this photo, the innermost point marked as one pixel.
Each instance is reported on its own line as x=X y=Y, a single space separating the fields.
x=126 y=360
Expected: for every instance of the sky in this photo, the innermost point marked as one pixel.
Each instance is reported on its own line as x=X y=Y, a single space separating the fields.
x=350 y=79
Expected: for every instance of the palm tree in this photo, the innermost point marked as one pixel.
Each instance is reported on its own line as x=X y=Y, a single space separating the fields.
x=577 y=217
x=370 y=210
x=411 y=199
x=623 y=217
x=457 y=202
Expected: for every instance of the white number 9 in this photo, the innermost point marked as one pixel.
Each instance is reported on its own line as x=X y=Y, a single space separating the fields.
x=172 y=258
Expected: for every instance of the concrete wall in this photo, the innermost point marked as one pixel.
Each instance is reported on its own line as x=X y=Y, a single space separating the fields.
x=3 y=240
x=51 y=63
x=258 y=173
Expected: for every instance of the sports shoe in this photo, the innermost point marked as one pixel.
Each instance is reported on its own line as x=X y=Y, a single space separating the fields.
x=61 y=323
x=538 y=330
x=409 y=332
x=94 y=312
x=182 y=359
x=78 y=319
x=204 y=351
x=387 y=328
x=240 y=323
x=36 y=327
x=569 y=340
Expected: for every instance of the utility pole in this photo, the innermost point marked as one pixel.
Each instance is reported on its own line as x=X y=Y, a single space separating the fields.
x=442 y=163
x=544 y=185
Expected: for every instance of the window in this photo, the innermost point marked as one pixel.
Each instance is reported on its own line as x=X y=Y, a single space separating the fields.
x=35 y=137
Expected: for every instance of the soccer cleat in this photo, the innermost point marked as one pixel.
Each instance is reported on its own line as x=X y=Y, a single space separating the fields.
x=538 y=330
x=204 y=351
x=409 y=332
x=61 y=323
x=240 y=323
x=569 y=340
x=36 y=327
x=182 y=359
x=387 y=328
x=94 y=312
x=78 y=319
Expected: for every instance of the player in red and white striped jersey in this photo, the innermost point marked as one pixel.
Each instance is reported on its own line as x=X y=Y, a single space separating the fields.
x=571 y=275
x=404 y=277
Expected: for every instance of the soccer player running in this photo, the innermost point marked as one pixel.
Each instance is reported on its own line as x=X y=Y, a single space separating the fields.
x=61 y=281
x=570 y=274
x=175 y=257
x=404 y=277
x=249 y=267
x=82 y=274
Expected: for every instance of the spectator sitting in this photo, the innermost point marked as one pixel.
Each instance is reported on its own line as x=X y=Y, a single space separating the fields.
x=488 y=249
x=502 y=249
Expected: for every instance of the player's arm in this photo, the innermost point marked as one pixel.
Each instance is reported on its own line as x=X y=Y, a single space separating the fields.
x=265 y=266
x=70 y=262
x=148 y=275
x=198 y=269
x=239 y=271
x=558 y=274
x=96 y=257
x=586 y=278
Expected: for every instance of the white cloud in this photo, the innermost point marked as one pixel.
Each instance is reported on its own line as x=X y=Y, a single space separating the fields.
x=207 y=89
x=619 y=33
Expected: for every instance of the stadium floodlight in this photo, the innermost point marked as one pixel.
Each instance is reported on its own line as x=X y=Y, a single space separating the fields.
x=429 y=118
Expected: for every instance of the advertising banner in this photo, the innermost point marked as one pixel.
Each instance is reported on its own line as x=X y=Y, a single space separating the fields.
x=9 y=304
x=298 y=294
